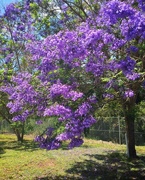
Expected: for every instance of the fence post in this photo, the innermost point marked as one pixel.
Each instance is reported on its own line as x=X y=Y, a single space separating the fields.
x=119 y=129
x=126 y=141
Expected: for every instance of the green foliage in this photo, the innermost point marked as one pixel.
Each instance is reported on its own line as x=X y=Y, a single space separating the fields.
x=105 y=79
x=140 y=118
x=16 y=125
x=110 y=109
x=31 y=126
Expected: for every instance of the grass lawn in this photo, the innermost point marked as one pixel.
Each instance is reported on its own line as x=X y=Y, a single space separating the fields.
x=92 y=161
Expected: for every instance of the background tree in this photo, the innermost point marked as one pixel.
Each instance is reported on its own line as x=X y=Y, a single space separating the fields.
x=15 y=32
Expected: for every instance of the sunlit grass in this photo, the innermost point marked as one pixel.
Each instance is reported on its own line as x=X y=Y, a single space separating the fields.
x=95 y=160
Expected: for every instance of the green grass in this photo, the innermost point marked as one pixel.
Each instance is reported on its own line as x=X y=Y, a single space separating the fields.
x=93 y=160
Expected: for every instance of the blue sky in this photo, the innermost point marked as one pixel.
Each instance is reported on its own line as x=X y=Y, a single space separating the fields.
x=3 y=3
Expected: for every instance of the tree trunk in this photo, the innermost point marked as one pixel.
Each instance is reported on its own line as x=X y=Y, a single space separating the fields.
x=130 y=137
x=130 y=113
x=23 y=131
x=18 y=134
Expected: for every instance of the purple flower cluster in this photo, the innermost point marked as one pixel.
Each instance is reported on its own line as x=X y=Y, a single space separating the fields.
x=76 y=142
x=23 y=96
x=83 y=109
x=141 y=4
x=127 y=66
x=22 y=117
x=11 y=11
x=58 y=110
x=115 y=10
x=47 y=143
x=49 y=131
x=132 y=49
x=75 y=122
x=64 y=90
x=88 y=121
x=134 y=27
x=128 y=93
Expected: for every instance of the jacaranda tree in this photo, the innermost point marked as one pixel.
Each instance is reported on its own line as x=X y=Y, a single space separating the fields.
x=15 y=25
x=77 y=70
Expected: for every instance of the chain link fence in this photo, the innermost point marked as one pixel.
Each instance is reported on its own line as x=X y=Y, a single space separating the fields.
x=106 y=129
x=113 y=129
x=5 y=127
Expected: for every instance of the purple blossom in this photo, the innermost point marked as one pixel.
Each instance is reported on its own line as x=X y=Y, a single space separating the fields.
x=96 y=69
x=64 y=7
x=9 y=57
x=39 y=122
x=133 y=49
x=115 y=10
x=88 y=121
x=22 y=117
x=127 y=65
x=54 y=145
x=49 y=131
x=39 y=139
x=21 y=28
x=141 y=4
x=133 y=76
x=108 y=96
x=11 y=10
x=128 y=93
x=65 y=91
x=64 y=136
x=76 y=142
x=92 y=100
x=58 y=110
x=83 y=109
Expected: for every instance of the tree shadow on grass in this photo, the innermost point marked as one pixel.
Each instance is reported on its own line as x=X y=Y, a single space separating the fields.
x=58 y=177
x=2 y=151
x=26 y=145
x=110 y=166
